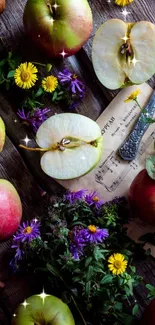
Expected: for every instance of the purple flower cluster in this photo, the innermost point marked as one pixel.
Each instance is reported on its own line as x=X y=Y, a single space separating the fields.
x=35 y=118
x=27 y=232
x=73 y=196
x=75 y=86
x=92 y=199
x=84 y=237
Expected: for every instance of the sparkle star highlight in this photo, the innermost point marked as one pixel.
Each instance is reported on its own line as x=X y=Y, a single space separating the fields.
x=25 y=304
x=134 y=61
x=43 y=296
x=63 y=53
x=26 y=140
x=55 y=6
x=125 y=38
x=125 y=13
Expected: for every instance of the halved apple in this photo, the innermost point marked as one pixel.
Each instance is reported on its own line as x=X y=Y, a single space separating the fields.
x=2 y=134
x=74 y=142
x=124 y=53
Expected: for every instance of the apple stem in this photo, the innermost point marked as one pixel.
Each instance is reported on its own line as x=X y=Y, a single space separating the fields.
x=50 y=7
x=33 y=149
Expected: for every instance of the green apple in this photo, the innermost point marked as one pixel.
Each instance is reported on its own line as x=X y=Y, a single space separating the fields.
x=124 y=53
x=39 y=311
x=58 y=27
x=72 y=144
x=2 y=134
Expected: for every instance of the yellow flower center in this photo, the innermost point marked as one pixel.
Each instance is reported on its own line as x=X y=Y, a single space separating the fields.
x=74 y=76
x=92 y=228
x=27 y=230
x=96 y=199
x=25 y=76
x=118 y=264
x=49 y=83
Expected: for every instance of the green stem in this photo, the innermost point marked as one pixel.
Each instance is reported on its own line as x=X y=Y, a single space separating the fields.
x=138 y=103
x=38 y=63
x=84 y=322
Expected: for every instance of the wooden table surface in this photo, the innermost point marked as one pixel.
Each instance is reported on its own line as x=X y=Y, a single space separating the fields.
x=22 y=167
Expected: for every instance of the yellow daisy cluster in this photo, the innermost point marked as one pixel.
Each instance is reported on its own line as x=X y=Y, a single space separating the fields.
x=26 y=75
x=50 y=83
x=117 y=263
x=123 y=2
x=133 y=96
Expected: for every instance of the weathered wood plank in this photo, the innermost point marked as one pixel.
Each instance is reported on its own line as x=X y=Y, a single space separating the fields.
x=13 y=169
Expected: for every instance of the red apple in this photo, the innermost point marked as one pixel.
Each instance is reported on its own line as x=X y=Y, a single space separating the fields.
x=148 y=317
x=61 y=26
x=142 y=197
x=10 y=209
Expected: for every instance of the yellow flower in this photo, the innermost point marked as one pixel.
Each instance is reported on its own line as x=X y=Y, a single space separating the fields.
x=133 y=96
x=92 y=228
x=50 y=83
x=26 y=75
x=27 y=230
x=117 y=263
x=123 y=2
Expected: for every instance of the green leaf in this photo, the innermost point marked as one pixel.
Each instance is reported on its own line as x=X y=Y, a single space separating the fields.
x=150 y=166
x=135 y=309
x=118 y=306
x=132 y=268
x=89 y=273
x=54 y=97
x=88 y=261
x=88 y=288
x=2 y=62
x=48 y=67
x=11 y=74
x=39 y=92
x=106 y=279
x=9 y=55
x=53 y=270
x=150 y=287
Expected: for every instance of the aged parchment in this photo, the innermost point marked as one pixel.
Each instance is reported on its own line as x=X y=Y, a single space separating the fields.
x=113 y=176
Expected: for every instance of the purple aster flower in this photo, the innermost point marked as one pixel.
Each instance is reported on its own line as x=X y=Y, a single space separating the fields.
x=73 y=196
x=71 y=81
x=13 y=265
x=94 y=199
x=35 y=118
x=76 y=251
x=19 y=252
x=77 y=243
x=93 y=235
x=27 y=231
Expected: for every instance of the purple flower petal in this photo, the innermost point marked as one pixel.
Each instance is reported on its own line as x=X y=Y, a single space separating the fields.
x=35 y=118
x=94 y=199
x=73 y=196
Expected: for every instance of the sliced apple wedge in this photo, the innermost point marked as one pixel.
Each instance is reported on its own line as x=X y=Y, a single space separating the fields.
x=2 y=134
x=123 y=53
x=73 y=145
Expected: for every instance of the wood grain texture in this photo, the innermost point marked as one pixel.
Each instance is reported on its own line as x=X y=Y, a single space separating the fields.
x=13 y=169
